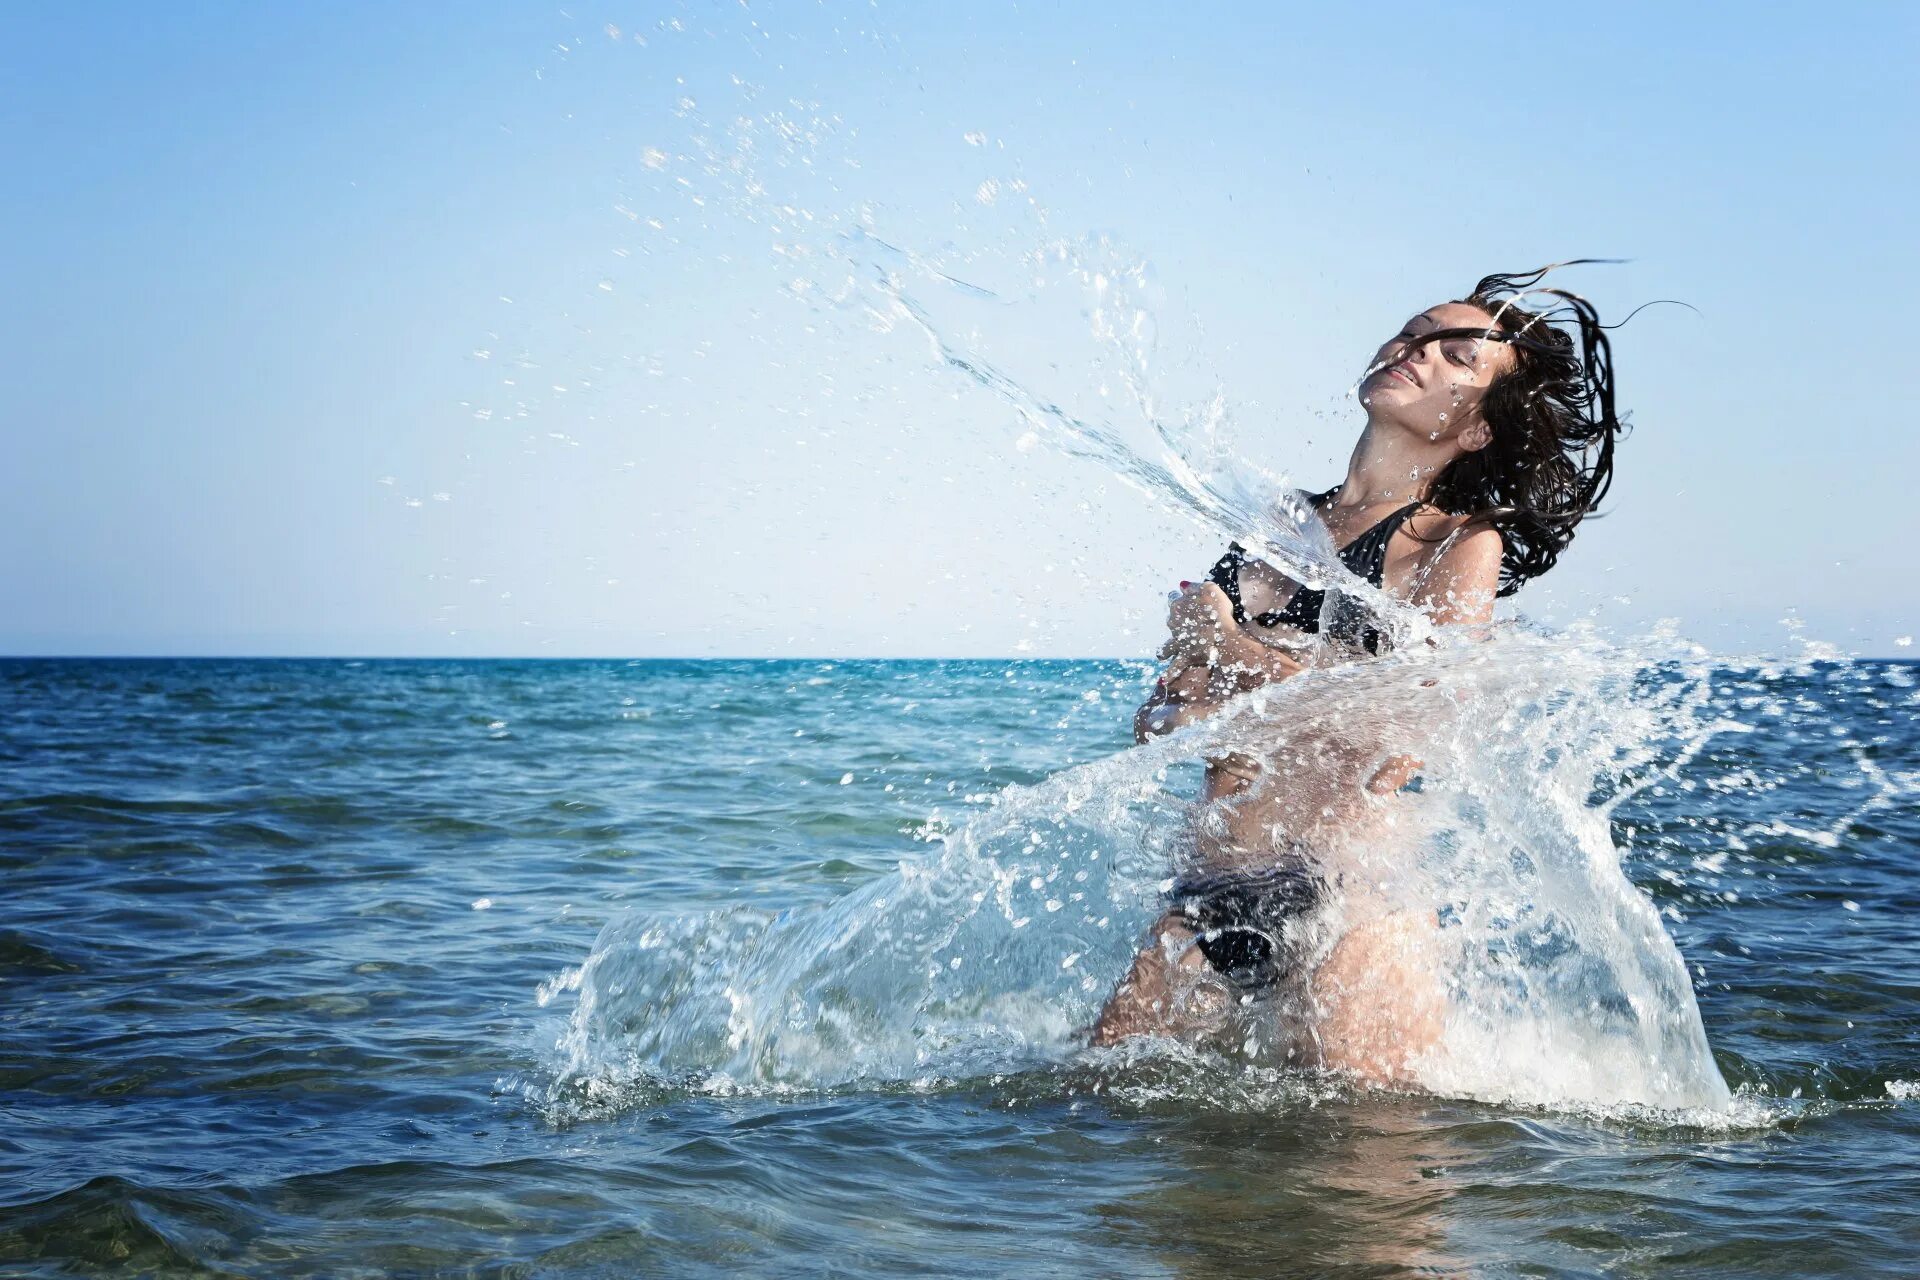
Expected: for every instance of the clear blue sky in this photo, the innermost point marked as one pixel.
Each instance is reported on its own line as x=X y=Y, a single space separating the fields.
x=253 y=252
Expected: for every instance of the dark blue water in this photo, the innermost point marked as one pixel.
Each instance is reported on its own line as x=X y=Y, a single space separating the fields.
x=277 y=932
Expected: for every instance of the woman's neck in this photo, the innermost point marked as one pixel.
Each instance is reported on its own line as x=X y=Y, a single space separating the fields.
x=1390 y=465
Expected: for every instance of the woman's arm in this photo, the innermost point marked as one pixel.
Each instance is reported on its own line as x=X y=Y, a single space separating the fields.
x=1204 y=634
x=1458 y=587
x=1210 y=658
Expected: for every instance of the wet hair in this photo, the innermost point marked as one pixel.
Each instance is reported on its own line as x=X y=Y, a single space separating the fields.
x=1549 y=461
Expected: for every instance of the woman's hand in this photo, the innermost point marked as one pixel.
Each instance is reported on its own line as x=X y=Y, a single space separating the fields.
x=1199 y=623
x=1189 y=684
x=1395 y=773
x=1204 y=634
x=1162 y=714
x=1210 y=658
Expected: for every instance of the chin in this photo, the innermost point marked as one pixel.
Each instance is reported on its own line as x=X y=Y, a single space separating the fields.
x=1389 y=411
x=1383 y=392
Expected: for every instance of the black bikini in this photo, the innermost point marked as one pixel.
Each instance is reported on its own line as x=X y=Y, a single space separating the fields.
x=1243 y=917
x=1365 y=557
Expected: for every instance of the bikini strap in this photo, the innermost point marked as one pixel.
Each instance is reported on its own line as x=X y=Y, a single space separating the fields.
x=1226 y=571
x=1226 y=575
x=1371 y=562
x=1365 y=556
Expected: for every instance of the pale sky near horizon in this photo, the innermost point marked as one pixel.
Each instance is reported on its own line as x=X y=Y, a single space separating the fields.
x=502 y=329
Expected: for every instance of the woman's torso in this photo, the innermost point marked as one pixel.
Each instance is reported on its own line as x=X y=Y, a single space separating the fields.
x=1392 y=544
x=1312 y=783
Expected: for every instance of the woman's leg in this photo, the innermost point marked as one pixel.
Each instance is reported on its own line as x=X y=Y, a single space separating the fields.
x=1378 y=1004
x=1169 y=991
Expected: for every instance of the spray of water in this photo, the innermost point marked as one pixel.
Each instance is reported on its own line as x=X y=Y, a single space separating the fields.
x=1552 y=978
x=1186 y=464
x=1560 y=985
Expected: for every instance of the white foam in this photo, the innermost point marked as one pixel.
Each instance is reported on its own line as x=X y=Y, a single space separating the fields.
x=1566 y=991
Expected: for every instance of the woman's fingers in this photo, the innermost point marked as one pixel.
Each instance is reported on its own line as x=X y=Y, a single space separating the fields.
x=1393 y=775
x=1188 y=683
x=1196 y=621
x=1194 y=612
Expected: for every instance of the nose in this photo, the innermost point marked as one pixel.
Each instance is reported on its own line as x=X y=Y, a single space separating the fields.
x=1408 y=350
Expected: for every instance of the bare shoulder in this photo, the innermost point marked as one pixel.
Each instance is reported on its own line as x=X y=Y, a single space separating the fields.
x=1462 y=542
x=1460 y=573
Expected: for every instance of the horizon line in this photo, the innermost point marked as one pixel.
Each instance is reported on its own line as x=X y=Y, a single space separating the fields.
x=711 y=657
x=552 y=657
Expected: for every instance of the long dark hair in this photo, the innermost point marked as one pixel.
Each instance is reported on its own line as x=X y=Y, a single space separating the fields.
x=1550 y=459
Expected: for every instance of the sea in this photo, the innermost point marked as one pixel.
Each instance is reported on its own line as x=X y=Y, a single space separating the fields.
x=717 y=968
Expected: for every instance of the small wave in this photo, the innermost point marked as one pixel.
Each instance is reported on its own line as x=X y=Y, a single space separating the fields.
x=27 y=951
x=112 y=1222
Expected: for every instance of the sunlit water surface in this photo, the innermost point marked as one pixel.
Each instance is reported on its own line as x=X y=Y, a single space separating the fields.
x=330 y=968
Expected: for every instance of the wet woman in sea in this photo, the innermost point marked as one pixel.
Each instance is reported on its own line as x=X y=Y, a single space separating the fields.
x=1489 y=436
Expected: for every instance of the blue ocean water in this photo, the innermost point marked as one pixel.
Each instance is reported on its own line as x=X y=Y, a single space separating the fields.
x=292 y=974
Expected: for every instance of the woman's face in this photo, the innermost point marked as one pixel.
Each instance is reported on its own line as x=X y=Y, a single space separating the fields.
x=1435 y=388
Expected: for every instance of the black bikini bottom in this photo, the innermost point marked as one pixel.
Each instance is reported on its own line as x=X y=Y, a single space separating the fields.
x=1243 y=917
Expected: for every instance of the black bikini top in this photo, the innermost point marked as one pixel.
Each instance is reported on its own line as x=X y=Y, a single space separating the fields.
x=1365 y=557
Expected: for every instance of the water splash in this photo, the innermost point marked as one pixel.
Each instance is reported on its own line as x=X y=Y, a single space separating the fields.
x=1177 y=452
x=1130 y=387
x=994 y=955
x=1562 y=986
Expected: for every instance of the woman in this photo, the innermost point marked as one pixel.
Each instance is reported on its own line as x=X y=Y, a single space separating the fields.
x=1489 y=437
